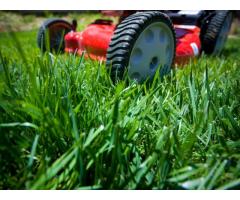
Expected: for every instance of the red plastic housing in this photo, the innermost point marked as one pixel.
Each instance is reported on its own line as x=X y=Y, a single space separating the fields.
x=95 y=39
x=188 y=43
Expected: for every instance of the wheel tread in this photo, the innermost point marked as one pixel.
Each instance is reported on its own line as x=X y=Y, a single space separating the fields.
x=210 y=31
x=43 y=28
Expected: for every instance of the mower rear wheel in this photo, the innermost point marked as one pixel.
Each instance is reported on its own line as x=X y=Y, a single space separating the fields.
x=142 y=43
x=215 y=32
x=51 y=35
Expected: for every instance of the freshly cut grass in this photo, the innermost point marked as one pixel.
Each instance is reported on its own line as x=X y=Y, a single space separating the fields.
x=65 y=125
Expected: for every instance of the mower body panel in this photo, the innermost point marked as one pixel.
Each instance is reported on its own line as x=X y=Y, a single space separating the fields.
x=95 y=39
x=188 y=43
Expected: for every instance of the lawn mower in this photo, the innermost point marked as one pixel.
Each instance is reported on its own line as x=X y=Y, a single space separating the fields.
x=142 y=41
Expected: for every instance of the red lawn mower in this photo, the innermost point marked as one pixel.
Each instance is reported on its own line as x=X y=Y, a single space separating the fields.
x=141 y=42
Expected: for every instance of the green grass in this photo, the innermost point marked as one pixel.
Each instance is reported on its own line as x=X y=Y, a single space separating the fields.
x=64 y=125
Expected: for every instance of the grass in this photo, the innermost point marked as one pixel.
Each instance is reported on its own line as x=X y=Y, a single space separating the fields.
x=64 y=125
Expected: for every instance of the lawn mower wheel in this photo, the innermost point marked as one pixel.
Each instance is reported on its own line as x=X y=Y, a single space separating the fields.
x=141 y=44
x=51 y=35
x=215 y=31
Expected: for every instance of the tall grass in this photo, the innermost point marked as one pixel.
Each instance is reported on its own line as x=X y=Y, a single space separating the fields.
x=65 y=125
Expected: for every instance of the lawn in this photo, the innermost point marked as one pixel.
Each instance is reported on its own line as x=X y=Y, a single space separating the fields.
x=65 y=125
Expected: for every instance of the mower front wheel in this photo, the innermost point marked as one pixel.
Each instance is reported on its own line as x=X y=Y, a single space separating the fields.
x=142 y=43
x=51 y=35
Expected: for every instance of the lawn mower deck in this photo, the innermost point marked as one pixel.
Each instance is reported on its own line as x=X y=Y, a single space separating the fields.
x=95 y=39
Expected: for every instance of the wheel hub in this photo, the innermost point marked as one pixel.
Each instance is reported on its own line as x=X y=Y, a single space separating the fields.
x=153 y=49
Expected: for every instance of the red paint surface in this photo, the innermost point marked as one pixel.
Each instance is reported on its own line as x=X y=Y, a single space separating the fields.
x=94 y=40
x=188 y=43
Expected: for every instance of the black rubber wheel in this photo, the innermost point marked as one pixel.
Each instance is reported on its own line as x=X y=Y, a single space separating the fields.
x=214 y=32
x=51 y=35
x=141 y=44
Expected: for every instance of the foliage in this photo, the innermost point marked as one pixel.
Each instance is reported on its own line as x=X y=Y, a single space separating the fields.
x=65 y=125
